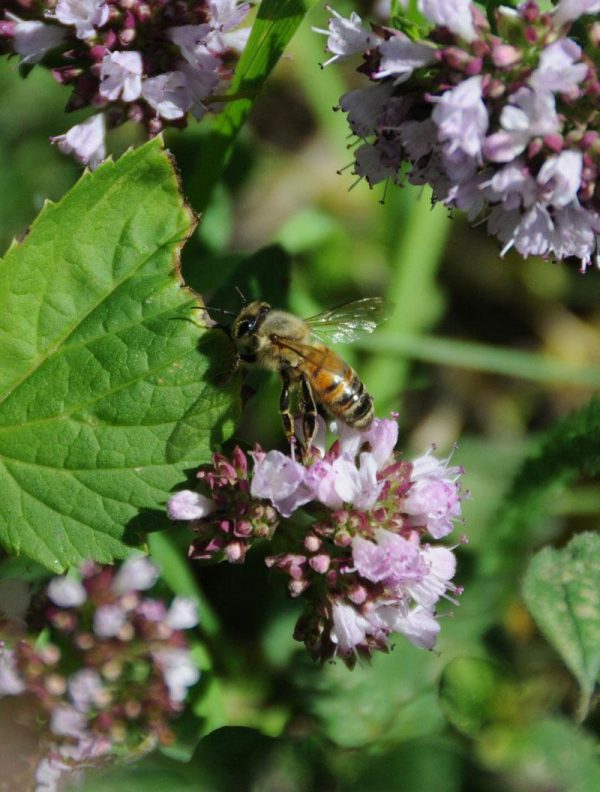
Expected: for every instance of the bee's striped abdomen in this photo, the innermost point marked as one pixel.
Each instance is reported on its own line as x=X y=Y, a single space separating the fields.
x=342 y=394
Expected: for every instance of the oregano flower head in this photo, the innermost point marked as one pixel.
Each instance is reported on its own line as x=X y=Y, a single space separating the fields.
x=501 y=124
x=354 y=530
x=154 y=63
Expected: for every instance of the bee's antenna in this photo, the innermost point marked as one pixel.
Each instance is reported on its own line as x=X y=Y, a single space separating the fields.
x=242 y=297
x=209 y=308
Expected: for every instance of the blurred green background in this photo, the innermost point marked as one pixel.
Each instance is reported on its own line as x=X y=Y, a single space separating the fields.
x=487 y=352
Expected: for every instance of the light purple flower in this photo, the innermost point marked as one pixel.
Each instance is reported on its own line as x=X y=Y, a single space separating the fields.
x=121 y=76
x=169 y=94
x=108 y=620
x=400 y=57
x=557 y=69
x=569 y=10
x=280 y=480
x=576 y=232
x=433 y=499
x=136 y=574
x=391 y=559
x=183 y=614
x=346 y=37
x=86 y=141
x=531 y=113
x=453 y=14
x=438 y=566
x=376 y=163
x=68 y=722
x=66 y=592
x=462 y=118
x=192 y=42
x=86 y=15
x=11 y=683
x=559 y=178
x=33 y=39
x=86 y=689
x=364 y=106
x=179 y=671
x=200 y=83
x=189 y=505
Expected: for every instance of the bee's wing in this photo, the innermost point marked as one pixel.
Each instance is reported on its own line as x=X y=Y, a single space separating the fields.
x=350 y=321
x=320 y=358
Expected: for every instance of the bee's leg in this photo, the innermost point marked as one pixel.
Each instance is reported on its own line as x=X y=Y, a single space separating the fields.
x=309 y=417
x=284 y=407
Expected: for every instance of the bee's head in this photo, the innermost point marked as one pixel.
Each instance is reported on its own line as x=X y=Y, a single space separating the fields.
x=247 y=322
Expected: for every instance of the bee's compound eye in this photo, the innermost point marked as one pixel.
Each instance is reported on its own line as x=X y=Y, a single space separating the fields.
x=245 y=327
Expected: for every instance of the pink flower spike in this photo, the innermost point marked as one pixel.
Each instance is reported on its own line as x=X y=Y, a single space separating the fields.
x=86 y=141
x=66 y=592
x=85 y=15
x=121 y=76
x=189 y=505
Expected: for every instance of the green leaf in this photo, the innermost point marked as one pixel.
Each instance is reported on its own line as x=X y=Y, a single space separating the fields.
x=275 y=24
x=391 y=700
x=106 y=380
x=562 y=591
x=468 y=691
x=550 y=754
x=571 y=449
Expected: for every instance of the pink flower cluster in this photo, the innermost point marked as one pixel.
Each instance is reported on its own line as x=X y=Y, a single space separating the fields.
x=503 y=125
x=112 y=672
x=358 y=542
x=148 y=62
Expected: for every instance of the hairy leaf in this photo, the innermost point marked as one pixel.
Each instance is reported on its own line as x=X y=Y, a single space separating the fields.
x=568 y=451
x=106 y=380
x=562 y=592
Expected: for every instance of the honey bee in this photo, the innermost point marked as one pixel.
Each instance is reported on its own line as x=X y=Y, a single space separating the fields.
x=280 y=341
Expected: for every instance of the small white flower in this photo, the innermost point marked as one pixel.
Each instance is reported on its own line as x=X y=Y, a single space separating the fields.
x=183 y=614
x=189 y=505
x=557 y=69
x=226 y=14
x=66 y=592
x=11 y=683
x=121 y=76
x=531 y=113
x=67 y=722
x=560 y=178
x=400 y=57
x=346 y=37
x=108 y=620
x=86 y=689
x=179 y=671
x=86 y=141
x=569 y=10
x=454 y=14
x=85 y=15
x=349 y=628
x=33 y=39
x=136 y=574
